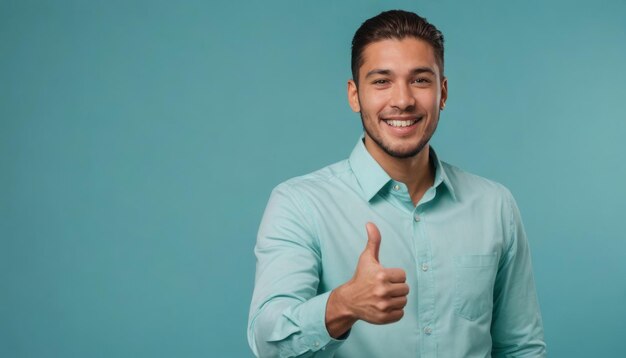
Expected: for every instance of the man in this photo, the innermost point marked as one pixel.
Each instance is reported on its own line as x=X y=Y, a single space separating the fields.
x=392 y=252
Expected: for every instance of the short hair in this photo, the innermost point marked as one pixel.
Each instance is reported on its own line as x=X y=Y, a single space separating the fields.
x=394 y=24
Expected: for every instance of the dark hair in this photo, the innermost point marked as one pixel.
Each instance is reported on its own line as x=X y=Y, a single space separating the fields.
x=394 y=24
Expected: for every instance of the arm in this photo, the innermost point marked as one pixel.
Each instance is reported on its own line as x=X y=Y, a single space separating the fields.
x=517 y=328
x=287 y=316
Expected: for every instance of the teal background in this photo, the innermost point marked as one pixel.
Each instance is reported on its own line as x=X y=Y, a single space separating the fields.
x=139 y=142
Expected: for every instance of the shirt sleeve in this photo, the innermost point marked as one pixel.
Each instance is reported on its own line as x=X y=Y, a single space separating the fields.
x=517 y=328
x=287 y=314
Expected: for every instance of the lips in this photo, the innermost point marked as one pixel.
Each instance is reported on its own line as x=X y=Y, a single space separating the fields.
x=400 y=122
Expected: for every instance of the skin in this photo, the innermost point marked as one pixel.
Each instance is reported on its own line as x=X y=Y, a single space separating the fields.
x=399 y=80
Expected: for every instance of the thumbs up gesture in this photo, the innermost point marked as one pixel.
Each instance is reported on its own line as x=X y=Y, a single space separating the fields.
x=375 y=294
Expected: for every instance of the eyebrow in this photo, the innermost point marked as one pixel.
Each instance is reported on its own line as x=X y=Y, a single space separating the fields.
x=386 y=72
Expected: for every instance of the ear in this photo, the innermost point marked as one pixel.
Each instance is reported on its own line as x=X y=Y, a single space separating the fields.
x=353 y=96
x=444 y=92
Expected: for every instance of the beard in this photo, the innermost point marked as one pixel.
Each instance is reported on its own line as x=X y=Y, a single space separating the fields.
x=400 y=154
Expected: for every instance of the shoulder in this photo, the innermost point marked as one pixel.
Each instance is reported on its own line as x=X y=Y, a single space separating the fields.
x=486 y=196
x=317 y=182
x=467 y=185
x=297 y=200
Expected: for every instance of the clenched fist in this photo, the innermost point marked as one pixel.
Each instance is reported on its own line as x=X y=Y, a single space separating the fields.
x=374 y=294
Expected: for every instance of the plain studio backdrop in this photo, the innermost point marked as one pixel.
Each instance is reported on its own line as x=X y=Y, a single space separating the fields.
x=139 y=142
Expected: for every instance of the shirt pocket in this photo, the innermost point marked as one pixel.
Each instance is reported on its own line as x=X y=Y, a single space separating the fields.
x=474 y=281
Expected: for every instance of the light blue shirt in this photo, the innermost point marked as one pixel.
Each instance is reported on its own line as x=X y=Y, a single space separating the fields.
x=463 y=248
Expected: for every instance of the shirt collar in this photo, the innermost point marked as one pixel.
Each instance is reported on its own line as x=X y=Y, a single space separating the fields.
x=440 y=174
x=372 y=177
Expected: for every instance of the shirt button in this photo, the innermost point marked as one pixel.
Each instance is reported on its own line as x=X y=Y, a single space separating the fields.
x=416 y=217
x=428 y=330
x=396 y=187
x=317 y=344
x=424 y=267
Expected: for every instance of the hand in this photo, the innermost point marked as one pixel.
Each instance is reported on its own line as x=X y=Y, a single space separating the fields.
x=374 y=294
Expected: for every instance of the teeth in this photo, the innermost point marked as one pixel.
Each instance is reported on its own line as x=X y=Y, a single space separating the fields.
x=395 y=123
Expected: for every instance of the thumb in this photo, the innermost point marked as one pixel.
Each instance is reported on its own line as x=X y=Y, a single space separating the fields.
x=373 y=240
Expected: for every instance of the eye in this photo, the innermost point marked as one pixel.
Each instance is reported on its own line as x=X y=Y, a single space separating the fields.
x=380 y=82
x=421 y=80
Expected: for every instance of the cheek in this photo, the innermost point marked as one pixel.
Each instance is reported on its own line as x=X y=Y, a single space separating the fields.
x=373 y=104
x=435 y=97
x=429 y=99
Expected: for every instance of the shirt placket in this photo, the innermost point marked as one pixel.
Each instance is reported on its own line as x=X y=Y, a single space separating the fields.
x=425 y=289
x=425 y=279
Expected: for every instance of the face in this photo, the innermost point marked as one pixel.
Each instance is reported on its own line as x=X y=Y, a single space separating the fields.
x=399 y=96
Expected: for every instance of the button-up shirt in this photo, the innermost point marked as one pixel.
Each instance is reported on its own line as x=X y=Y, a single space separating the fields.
x=463 y=249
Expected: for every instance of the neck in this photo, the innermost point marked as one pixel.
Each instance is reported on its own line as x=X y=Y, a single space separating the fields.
x=415 y=172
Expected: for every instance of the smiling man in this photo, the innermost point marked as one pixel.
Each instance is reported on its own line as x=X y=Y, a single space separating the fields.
x=393 y=252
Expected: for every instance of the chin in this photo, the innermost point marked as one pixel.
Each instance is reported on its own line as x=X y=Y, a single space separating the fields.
x=404 y=152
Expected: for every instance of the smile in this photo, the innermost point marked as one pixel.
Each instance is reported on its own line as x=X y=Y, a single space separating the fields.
x=401 y=123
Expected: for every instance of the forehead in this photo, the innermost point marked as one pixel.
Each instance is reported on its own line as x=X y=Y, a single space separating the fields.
x=399 y=56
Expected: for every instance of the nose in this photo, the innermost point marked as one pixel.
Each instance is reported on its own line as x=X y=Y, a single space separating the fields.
x=402 y=97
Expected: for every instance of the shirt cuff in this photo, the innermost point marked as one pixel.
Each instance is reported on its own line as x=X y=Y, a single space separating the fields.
x=311 y=317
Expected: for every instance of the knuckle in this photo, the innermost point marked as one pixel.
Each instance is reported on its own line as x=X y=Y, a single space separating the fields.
x=379 y=292
x=381 y=276
x=382 y=306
